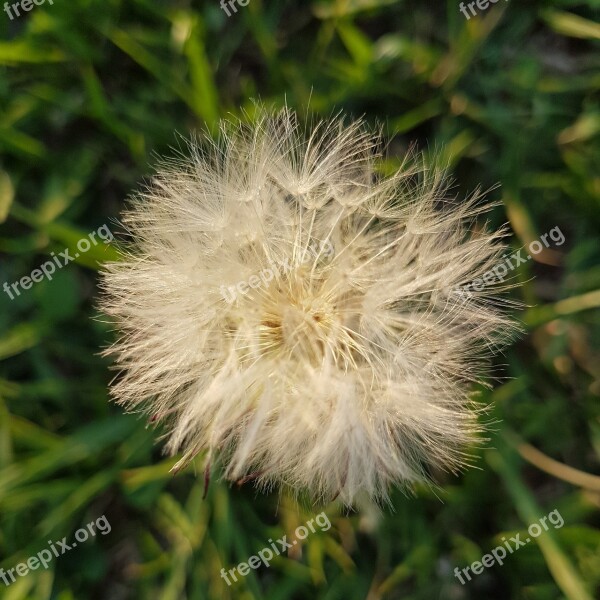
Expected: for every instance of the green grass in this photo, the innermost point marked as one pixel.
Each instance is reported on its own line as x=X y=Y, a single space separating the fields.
x=92 y=91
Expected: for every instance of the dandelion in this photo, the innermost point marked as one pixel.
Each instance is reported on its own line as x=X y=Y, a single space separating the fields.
x=344 y=373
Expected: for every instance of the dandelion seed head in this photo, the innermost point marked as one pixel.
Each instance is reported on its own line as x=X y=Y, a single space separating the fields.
x=291 y=312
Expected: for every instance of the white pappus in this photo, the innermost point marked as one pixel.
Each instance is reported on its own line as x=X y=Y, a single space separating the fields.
x=341 y=375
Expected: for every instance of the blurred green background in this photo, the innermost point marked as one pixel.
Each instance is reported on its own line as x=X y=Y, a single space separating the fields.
x=92 y=91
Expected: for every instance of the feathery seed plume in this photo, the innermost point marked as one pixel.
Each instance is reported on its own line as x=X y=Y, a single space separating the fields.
x=295 y=315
